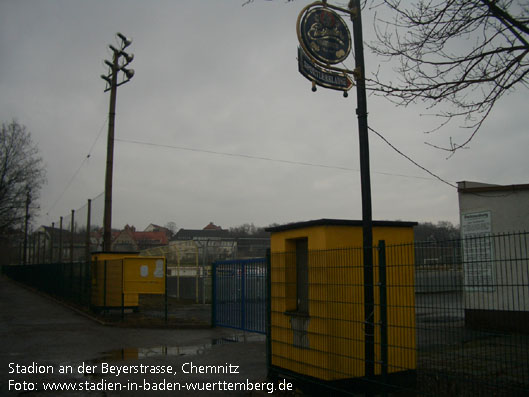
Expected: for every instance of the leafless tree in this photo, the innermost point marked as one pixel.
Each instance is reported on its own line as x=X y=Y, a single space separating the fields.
x=459 y=56
x=22 y=175
x=171 y=226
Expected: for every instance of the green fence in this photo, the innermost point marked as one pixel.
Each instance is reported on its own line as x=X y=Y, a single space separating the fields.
x=75 y=284
x=458 y=325
x=455 y=324
x=66 y=281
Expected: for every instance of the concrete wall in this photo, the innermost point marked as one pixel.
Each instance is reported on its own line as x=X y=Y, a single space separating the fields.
x=504 y=266
x=509 y=207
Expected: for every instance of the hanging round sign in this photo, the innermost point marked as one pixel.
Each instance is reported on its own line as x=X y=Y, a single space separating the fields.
x=324 y=35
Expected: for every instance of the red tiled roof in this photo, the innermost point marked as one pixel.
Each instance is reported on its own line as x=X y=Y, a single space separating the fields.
x=159 y=237
x=212 y=226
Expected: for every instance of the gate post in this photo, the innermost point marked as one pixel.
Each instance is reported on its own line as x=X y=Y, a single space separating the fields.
x=243 y=295
x=268 y=320
x=213 y=294
x=383 y=310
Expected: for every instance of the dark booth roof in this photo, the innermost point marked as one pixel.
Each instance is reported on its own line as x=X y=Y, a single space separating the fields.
x=337 y=222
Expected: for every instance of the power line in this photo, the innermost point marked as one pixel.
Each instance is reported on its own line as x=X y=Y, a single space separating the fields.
x=85 y=159
x=410 y=159
x=247 y=156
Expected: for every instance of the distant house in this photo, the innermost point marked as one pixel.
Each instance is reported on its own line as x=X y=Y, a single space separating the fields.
x=124 y=241
x=212 y=226
x=157 y=228
x=201 y=234
x=130 y=240
x=213 y=242
x=146 y=240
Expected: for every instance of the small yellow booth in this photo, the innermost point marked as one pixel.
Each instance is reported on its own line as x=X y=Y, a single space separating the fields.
x=119 y=277
x=317 y=299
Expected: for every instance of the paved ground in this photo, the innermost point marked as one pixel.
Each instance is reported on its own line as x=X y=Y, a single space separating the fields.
x=38 y=334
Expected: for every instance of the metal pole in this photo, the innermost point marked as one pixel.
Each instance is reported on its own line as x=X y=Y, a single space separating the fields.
x=383 y=310
x=213 y=294
x=268 y=311
x=122 y=291
x=60 y=240
x=33 y=253
x=88 y=226
x=38 y=247
x=243 y=295
x=26 y=221
x=107 y=217
x=105 y=285
x=165 y=290
x=367 y=218
x=52 y=232
x=72 y=231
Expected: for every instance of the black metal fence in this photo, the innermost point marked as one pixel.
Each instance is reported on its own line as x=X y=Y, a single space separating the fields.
x=452 y=326
x=65 y=281
x=70 y=239
x=456 y=324
x=100 y=293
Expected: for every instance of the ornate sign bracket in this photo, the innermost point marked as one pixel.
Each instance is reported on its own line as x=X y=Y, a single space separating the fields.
x=325 y=41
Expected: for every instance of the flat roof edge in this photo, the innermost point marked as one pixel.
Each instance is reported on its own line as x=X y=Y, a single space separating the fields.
x=336 y=222
x=493 y=188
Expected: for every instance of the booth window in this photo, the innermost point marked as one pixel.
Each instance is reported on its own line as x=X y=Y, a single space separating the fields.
x=298 y=277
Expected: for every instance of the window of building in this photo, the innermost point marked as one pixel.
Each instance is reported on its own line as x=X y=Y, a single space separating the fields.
x=297 y=276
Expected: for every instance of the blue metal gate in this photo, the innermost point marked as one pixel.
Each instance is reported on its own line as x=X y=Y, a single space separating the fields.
x=239 y=294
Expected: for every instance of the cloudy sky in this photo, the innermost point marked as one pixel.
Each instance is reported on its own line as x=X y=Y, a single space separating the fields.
x=216 y=122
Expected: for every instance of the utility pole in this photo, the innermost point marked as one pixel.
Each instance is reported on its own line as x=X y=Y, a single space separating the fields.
x=120 y=60
x=367 y=216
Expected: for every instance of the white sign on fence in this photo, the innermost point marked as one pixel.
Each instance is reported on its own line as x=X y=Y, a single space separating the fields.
x=478 y=253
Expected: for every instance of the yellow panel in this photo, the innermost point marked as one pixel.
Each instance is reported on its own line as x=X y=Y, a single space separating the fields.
x=335 y=330
x=144 y=275
x=107 y=284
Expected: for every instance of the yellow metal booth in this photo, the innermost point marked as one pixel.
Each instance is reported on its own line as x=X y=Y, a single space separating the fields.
x=118 y=278
x=317 y=300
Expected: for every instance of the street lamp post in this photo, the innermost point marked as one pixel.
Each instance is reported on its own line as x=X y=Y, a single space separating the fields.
x=365 y=181
x=120 y=60
x=325 y=42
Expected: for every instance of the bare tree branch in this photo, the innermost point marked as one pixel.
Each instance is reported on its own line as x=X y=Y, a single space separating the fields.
x=458 y=55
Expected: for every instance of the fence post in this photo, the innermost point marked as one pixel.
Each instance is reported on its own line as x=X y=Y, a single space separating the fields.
x=383 y=310
x=122 y=291
x=243 y=295
x=105 y=285
x=60 y=240
x=213 y=294
x=178 y=275
x=52 y=232
x=72 y=230
x=33 y=243
x=268 y=323
x=86 y=272
x=88 y=226
x=38 y=247
x=165 y=276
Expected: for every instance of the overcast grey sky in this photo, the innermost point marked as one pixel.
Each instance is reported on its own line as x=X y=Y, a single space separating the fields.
x=218 y=77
